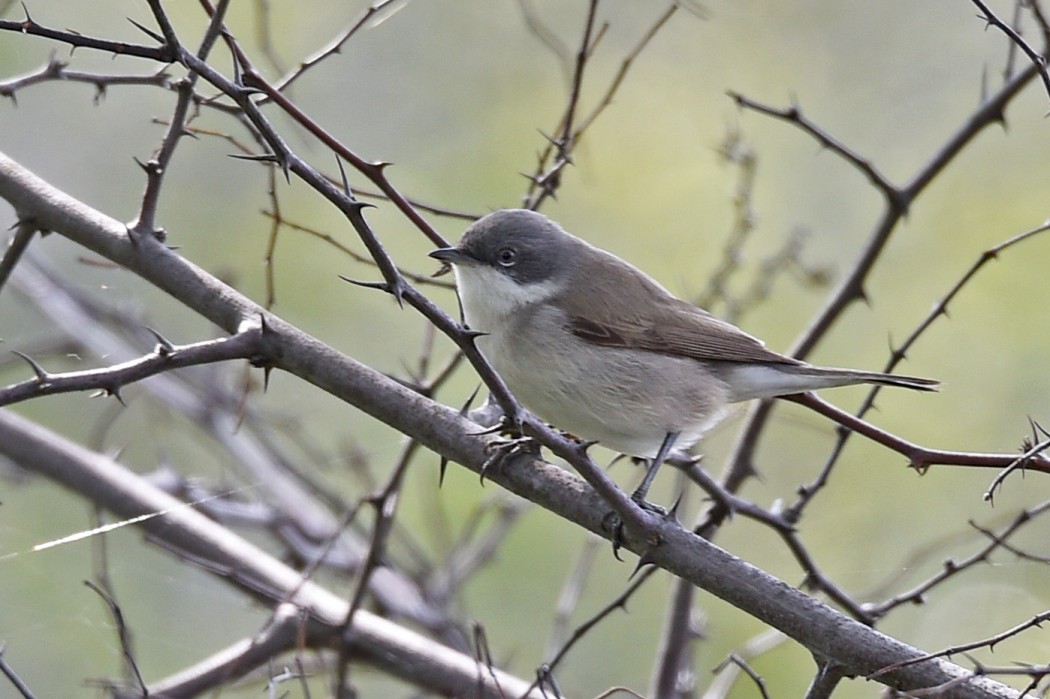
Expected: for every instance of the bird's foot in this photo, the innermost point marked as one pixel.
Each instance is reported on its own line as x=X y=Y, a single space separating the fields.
x=613 y=524
x=504 y=448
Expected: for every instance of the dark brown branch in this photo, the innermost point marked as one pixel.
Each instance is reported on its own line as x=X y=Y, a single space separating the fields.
x=920 y=458
x=793 y=115
x=1038 y=60
x=163 y=53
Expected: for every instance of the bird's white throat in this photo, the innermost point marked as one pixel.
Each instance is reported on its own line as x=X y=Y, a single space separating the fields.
x=490 y=298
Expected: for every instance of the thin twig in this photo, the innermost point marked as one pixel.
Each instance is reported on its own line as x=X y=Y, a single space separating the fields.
x=1038 y=60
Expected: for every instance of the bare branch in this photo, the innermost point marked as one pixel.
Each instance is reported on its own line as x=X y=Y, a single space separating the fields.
x=163 y=54
x=1038 y=60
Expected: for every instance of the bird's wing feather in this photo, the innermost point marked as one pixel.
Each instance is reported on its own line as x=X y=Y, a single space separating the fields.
x=668 y=325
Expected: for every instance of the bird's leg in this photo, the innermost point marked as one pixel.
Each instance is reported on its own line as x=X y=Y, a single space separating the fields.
x=654 y=465
x=612 y=522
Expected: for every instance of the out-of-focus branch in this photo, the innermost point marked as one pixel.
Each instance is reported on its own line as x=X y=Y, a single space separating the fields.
x=371 y=638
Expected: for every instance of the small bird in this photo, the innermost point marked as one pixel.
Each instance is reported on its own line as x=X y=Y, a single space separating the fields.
x=598 y=348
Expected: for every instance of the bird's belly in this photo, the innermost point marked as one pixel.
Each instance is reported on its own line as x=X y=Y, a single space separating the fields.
x=627 y=400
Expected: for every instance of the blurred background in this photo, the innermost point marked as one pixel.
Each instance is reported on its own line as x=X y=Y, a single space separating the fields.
x=458 y=96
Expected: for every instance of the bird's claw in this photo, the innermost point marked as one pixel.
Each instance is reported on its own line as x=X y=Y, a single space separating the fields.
x=501 y=449
x=613 y=524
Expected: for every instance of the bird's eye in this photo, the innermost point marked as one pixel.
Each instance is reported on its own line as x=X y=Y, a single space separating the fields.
x=507 y=256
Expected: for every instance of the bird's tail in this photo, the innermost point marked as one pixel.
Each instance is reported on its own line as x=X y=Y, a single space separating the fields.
x=772 y=380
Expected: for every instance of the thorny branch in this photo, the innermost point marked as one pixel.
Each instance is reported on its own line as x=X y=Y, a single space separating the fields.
x=939 y=310
x=56 y=69
x=110 y=380
x=249 y=90
x=1038 y=59
x=557 y=154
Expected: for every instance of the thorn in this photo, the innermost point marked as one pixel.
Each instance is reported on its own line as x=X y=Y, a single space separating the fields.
x=266 y=377
x=554 y=141
x=644 y=560
x=1042 y=430
x=264 y=158
x=381 y=286
x=145 y=168
x=470 y=400
x=672 y=514
x=164 y=348
x=42 y=376
x=148 y=32
x=399 y=292
x=359 y=205
x=115 y=392
x=442 y=467
x=342 y=176
x=584 y=444
x=471 y=335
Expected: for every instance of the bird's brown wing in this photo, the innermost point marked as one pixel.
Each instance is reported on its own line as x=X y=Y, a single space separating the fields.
x=661 y=324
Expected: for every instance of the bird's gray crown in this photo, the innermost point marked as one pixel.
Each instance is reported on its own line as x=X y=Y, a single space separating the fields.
x=526 y=246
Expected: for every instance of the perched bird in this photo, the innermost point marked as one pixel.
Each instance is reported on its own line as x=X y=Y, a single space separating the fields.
x=598 y=348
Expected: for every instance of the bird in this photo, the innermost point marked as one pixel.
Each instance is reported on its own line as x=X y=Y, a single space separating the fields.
x=596 y=347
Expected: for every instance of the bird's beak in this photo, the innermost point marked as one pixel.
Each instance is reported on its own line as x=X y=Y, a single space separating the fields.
x=449 y=256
